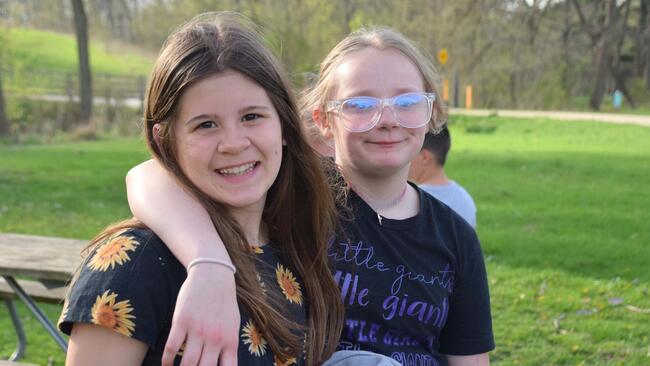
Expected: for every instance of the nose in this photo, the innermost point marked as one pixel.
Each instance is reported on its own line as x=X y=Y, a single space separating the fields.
x=233 y=140
x=387 y=118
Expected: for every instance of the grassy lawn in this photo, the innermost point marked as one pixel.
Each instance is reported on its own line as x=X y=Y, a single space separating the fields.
x=41 y=62
x=563 y=218
x=31 y=49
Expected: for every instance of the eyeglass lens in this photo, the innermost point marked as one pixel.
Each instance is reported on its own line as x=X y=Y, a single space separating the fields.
x=411 y=110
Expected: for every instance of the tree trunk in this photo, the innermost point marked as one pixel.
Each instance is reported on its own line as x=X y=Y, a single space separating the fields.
x=641 y=38
x=644 y=41
x=566 y=52
x=85 y=80
x=4 y=122
x=619 y=83
x=604 y=57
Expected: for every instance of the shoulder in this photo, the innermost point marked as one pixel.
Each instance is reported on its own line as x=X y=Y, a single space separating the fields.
x=463 y=192
x=433 y=208
x=128 y=282
x=133 y=250
x=450 y=226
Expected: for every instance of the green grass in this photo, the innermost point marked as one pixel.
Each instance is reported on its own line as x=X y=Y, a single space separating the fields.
x=30 y=49
x=40 y=62
x=563 y=219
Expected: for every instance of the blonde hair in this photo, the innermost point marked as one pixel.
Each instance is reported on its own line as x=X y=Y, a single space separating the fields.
x=381 y=38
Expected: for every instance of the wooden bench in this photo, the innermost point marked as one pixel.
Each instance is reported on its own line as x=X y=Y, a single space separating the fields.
x=38 y=292
x=35 y=289
x=12 y=363
x=46 y=260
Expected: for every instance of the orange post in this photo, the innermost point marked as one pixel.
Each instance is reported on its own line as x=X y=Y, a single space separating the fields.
x=445 y=90
x=468 y=97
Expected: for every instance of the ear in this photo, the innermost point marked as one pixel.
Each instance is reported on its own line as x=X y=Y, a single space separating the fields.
x=320 y=119
x=425 y=156
x=284 y=142
x=156 y=134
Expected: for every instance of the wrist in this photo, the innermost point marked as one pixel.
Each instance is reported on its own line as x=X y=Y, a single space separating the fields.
x=203 y=261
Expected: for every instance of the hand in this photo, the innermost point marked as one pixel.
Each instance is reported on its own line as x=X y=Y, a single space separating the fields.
x=206 y=318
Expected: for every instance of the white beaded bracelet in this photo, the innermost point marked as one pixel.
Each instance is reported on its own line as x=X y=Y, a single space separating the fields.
x=213 y=261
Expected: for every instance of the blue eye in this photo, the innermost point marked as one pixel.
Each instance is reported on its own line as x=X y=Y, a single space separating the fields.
x=408 y=100
x=360 y=104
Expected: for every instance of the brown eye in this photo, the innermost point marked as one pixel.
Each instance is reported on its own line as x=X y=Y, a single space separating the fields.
x=251 y=117
x=206 y=124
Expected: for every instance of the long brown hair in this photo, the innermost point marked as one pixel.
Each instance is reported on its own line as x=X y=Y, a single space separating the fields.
x=299 y=210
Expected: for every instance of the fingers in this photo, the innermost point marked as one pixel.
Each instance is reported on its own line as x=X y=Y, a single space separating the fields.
x=173 y=345
x=193 y=350
x=228 y=356
x=210 y=356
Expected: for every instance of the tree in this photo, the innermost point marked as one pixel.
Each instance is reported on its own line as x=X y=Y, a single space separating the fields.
x=85 y=79
x=606 y=40
x=643 y=43
x=4 y=122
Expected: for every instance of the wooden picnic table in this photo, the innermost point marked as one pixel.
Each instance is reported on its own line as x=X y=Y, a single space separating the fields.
x=48 y=260
x=40 y=257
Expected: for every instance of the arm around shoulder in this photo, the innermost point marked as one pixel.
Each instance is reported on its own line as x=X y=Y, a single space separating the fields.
x=157 y=200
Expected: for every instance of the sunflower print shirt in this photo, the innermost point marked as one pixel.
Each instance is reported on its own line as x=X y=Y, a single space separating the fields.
x=130 y=284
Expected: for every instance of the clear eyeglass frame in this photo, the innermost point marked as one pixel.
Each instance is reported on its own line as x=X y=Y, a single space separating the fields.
x=336 y=105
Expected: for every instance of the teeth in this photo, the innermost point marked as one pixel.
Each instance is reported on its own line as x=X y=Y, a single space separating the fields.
x=237 y=170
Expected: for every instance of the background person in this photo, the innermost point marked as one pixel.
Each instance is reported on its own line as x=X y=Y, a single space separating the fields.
x=428 y=171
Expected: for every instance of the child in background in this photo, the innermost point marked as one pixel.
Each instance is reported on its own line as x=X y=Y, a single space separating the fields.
x=428 y=171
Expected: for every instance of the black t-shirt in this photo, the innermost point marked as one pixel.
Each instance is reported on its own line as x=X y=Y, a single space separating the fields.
x=130 y=284
x=414 y=289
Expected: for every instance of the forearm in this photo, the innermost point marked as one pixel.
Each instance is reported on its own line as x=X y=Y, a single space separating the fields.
x=482 y=359
x=157 y=200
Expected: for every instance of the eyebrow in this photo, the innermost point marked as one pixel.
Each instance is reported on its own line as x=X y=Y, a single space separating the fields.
x=368 y=93
x=216 y=117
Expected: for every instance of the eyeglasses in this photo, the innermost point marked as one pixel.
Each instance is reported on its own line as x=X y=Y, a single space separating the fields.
x=360 y=114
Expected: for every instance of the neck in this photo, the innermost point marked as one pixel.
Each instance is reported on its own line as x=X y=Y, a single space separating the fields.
x=401 y=200
x=251 y=222
x=436 y=177
x=376 y=188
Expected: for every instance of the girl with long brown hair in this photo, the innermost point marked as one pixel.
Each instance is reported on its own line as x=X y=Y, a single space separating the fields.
x=221 y=119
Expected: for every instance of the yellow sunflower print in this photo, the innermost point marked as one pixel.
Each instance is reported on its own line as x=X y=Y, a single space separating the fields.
x=261 y=282
x=290 y=287
x=117 y=316
x=278 y=362
x=113 y=252
x=257 y=249
x=254 y=339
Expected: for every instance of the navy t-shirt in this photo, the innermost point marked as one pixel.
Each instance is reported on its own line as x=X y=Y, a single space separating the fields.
x=414 y=289
x=130 y=283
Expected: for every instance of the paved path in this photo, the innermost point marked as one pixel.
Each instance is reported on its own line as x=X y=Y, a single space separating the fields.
x=127 y=102
x=642 y=120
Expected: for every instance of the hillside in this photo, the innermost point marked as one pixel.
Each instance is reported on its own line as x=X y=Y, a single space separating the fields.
x=26 y=50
